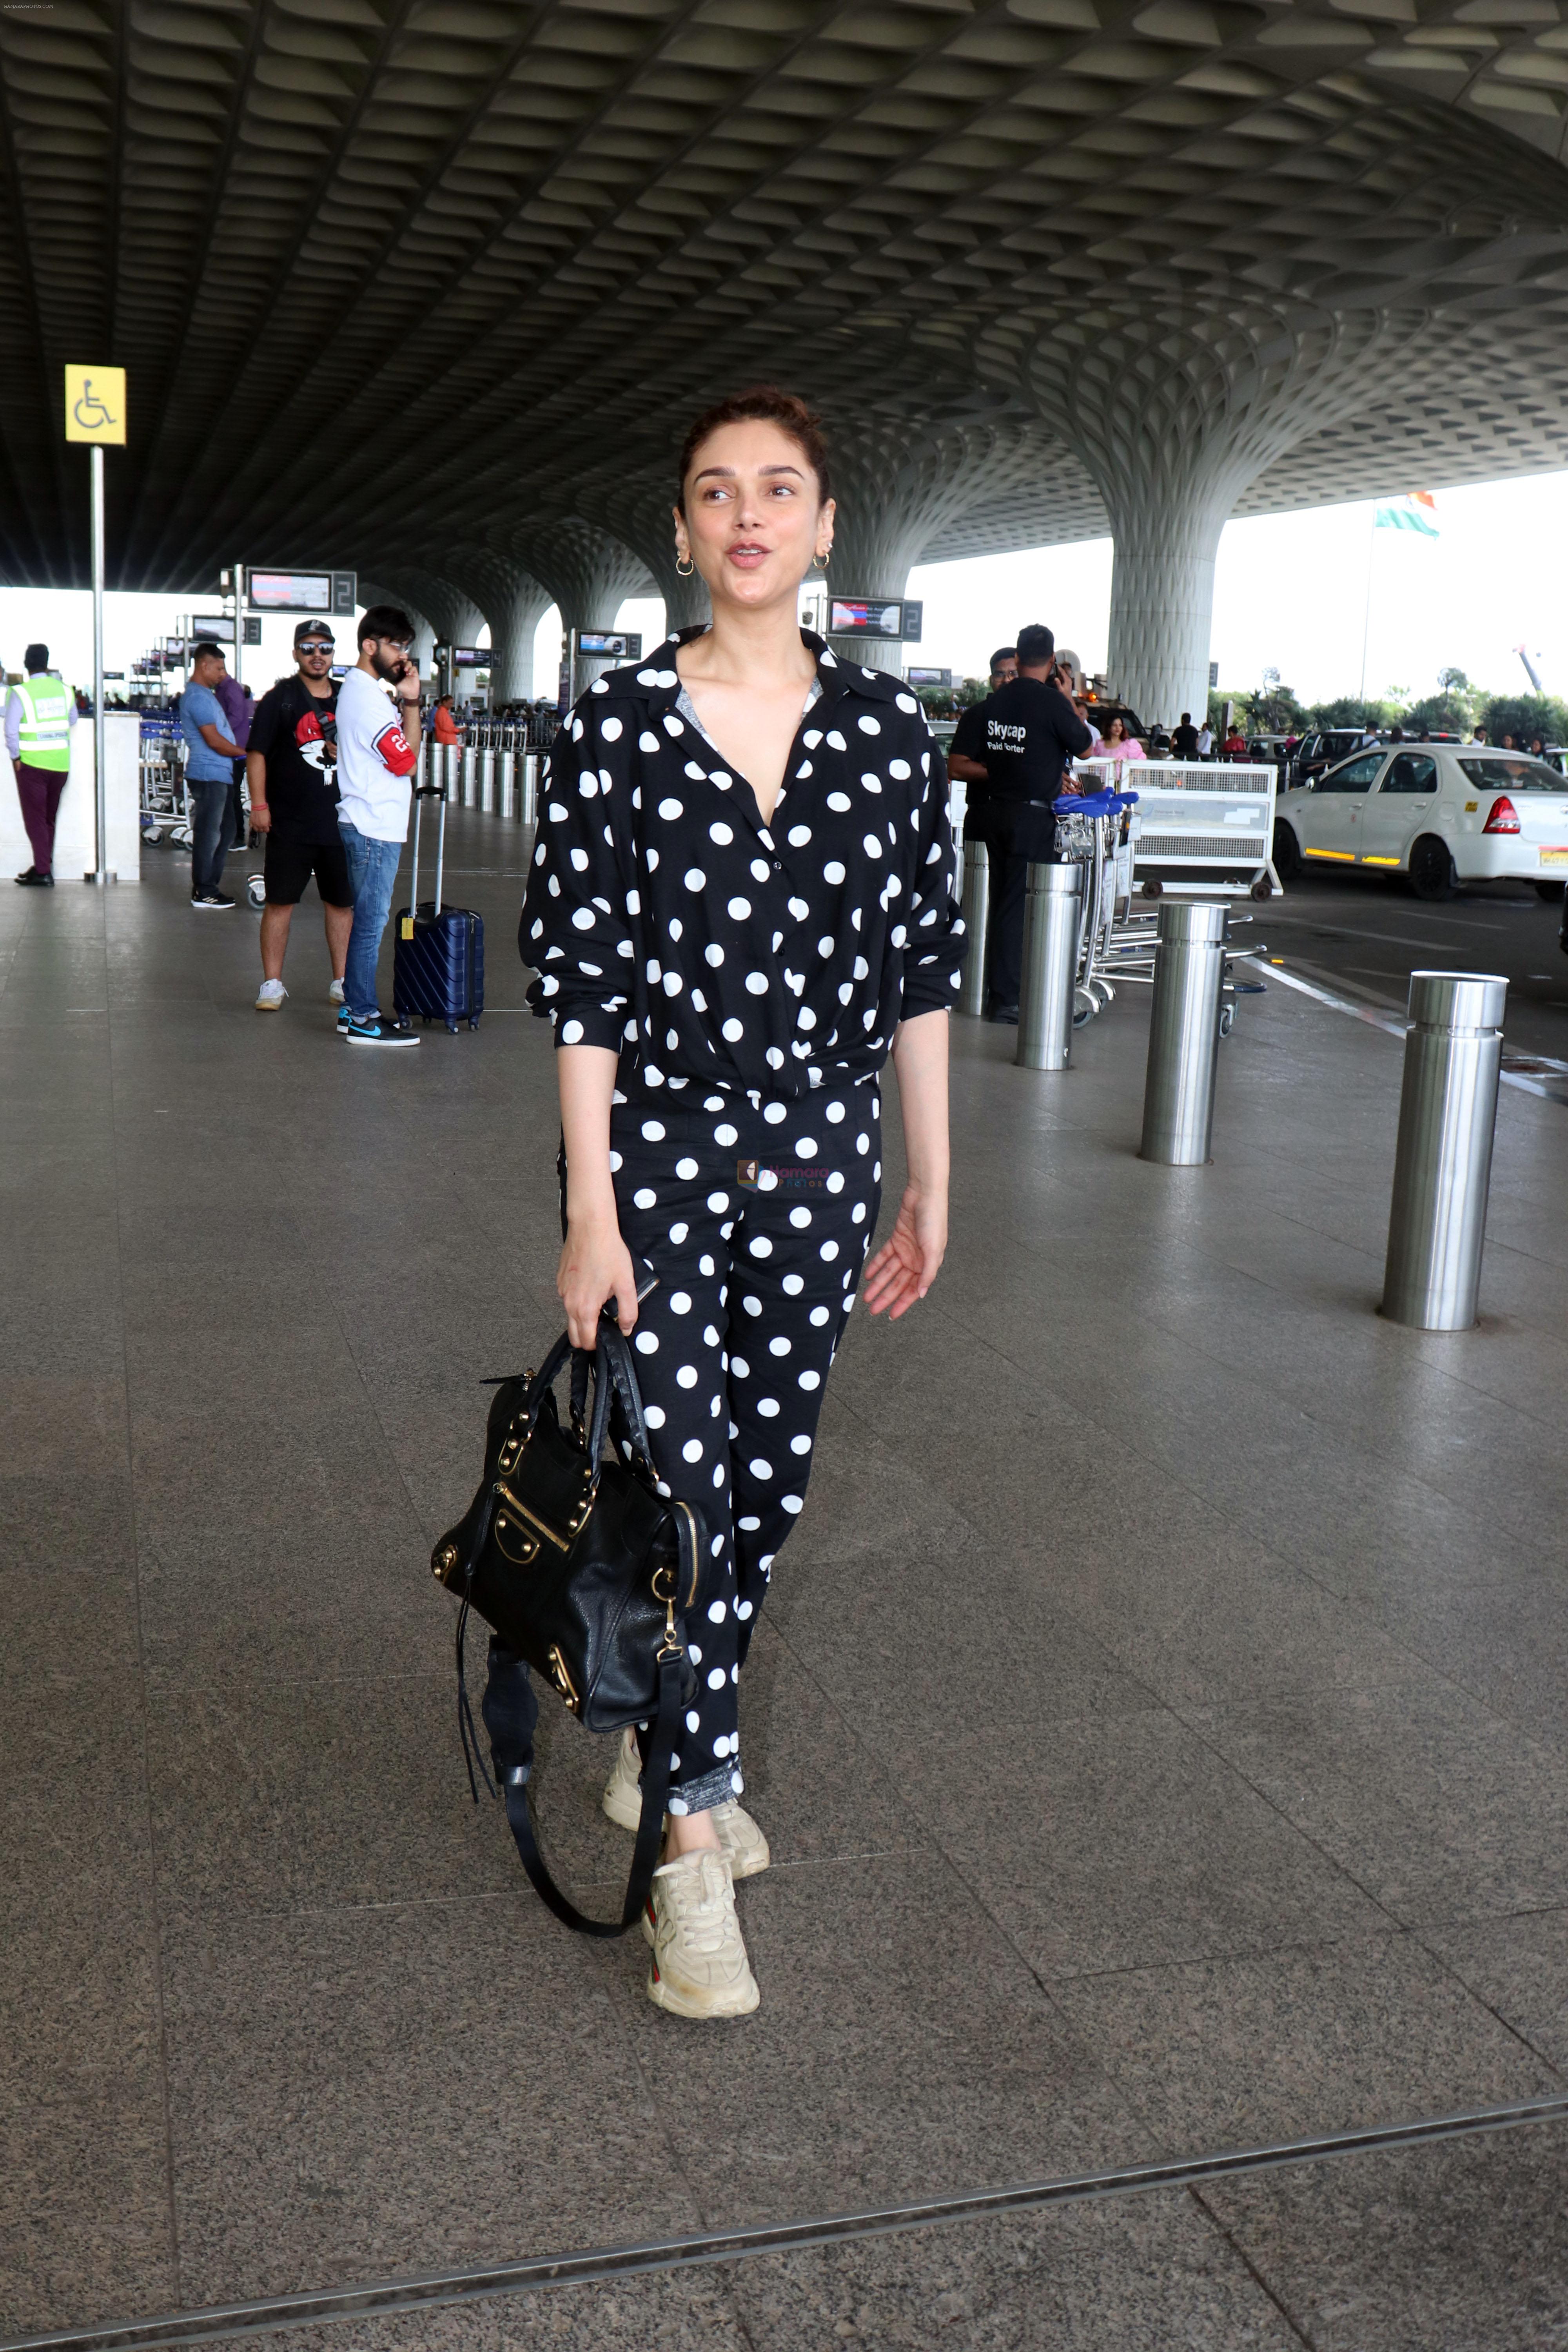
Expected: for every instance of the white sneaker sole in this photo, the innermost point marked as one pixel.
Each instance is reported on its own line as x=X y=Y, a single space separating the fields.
x=664 y=1993
x=270 y=1003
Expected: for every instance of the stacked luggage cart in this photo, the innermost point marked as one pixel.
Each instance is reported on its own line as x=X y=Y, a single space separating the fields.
x=161 y=760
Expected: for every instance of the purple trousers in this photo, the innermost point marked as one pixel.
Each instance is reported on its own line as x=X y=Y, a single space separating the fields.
x=39 y=790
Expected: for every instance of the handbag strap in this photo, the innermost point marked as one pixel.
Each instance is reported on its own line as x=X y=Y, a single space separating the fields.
x=650 y=1826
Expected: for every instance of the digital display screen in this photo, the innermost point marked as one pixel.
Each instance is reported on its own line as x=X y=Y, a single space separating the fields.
x=929 y=677
x=619 y=645
x=861 y=616
x=219 y=627
x=290 y=591
x=471 y=657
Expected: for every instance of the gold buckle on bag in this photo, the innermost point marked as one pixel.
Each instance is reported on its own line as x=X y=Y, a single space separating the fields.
x=562 y=1680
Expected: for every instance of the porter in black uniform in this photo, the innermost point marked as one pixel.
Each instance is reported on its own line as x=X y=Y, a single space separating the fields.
x=1031 y=730
x=966 y=752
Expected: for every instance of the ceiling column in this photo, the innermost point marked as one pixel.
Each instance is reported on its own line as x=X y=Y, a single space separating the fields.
x=589 y=574
x=1173 y=412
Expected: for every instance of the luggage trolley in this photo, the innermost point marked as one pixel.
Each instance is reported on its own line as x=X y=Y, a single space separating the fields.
x=1094 y=828
x=164 y=808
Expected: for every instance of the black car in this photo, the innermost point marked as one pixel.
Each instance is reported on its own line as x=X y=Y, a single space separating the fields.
x=1316 y=753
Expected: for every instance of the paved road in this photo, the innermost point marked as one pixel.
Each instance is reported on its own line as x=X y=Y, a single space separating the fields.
x=1368 y=935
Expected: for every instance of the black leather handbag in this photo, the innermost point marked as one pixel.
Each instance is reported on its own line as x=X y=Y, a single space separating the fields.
x=583 y=1568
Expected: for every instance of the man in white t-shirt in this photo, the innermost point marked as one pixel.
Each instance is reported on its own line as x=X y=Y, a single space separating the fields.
x=378 y=751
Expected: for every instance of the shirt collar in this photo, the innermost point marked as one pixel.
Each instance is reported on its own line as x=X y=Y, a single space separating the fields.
x=657 y=682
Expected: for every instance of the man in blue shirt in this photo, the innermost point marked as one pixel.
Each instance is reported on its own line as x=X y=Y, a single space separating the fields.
x=210 y=755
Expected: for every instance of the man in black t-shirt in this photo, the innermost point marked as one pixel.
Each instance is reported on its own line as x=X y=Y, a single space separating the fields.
x=1031 y=731
x=1185 y=738
x=291 y=767
x=966 y=752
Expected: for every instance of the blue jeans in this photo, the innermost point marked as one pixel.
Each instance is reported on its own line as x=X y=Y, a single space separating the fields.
x=212 y=837
x=372 y=871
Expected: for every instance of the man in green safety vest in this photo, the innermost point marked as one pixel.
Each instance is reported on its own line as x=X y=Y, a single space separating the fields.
x=39 y=717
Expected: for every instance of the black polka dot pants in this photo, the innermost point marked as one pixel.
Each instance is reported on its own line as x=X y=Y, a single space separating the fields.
x=755 y=1217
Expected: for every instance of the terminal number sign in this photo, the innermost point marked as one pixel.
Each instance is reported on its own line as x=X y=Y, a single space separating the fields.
x=95 y=404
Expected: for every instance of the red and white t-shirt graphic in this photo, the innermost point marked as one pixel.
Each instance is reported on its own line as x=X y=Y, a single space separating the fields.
x=317 y=749
x=375 y=760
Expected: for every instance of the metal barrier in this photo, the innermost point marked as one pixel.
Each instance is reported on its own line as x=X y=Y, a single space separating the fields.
x=470 y=775
x=1053 y=913
x=529 y=812
x=976 y=914
x=488 y=779
x=1184 y=1035
x=1202 y=825
x=1442 y=1163
x=506 y=784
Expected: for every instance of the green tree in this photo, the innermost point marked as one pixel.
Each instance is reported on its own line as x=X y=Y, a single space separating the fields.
x=1524 y=715
x=1351 y=710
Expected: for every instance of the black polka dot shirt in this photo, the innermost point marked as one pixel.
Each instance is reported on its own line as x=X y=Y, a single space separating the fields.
x=665 y=921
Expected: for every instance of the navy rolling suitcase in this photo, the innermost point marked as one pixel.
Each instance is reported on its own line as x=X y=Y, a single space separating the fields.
x=437 y=953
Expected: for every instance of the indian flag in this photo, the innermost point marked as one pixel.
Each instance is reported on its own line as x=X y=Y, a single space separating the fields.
x=1417 y=510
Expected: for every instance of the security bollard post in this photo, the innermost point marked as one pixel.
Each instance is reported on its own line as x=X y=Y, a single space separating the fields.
x=1184 y=1033
x=1053 y=911
x=488 y=781
x=506 y=786
x=470 y=775
x=530 y=787
x=449 y=772
x=976 y=913
x=1443 y=1160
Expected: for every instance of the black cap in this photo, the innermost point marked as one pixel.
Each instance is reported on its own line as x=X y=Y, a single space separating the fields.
x=322 y=629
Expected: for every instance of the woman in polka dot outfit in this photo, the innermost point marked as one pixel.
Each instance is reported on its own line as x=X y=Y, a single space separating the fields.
x=742 y=900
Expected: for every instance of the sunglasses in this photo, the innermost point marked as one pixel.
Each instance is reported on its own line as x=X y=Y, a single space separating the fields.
x=316 y=646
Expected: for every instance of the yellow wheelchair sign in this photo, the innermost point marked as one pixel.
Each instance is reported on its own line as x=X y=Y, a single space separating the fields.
x=95 y=404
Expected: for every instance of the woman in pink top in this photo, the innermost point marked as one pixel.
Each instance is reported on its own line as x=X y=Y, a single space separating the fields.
x=1117 y=744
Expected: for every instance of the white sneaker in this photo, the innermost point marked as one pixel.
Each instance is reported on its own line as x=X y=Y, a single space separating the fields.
x=335 y=993
x=740 y=1839
x=699 y=1966
x=270 y=996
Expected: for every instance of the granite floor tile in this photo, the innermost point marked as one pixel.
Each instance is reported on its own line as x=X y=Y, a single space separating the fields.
x=1312 y=2038
x=1461 y=2247
x=74 y=1833
x=83 y=2176
x=690 y=2311
x=901 y=2048
x=277 y=1798
x=1140 y=2275
x=1124 y=1843
x=1519 y=1967
x=408 y=2086
x=1439 y=1808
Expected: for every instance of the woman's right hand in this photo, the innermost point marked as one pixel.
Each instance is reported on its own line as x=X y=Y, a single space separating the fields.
x=595 y=1266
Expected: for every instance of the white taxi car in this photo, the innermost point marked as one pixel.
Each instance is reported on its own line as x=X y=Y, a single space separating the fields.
x=1442 y=812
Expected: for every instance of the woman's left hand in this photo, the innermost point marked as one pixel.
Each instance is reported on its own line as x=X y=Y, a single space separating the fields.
x=906 y=1265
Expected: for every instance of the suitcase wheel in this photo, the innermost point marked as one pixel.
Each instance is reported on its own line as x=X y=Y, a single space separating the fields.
x=474 y=1023
x=451 y=1028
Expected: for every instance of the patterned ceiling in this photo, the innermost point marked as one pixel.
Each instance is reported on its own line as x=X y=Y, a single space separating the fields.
x=436 y=283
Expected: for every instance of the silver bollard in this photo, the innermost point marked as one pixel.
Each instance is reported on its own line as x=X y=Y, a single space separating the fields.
x=530 y=787
x=976 y=913
x=470 y=773
x=449 y=772
x=1184 y=1033
x=488 y=781
x=1053 y=912
x=1443 y=1162
x=506 y=785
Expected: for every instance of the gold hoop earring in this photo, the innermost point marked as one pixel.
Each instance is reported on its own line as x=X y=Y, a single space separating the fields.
x=684 y=569
x=819 y=561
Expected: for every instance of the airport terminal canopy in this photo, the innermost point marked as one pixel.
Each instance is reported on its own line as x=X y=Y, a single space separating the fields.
x=430 y=288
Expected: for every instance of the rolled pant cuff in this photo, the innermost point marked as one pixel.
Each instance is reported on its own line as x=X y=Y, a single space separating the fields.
x=715 y=1788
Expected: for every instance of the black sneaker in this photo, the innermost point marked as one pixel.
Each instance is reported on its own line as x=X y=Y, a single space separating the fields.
x=213 y=899
x=33 y=880
x=376 y=1033
x=1006 y=1016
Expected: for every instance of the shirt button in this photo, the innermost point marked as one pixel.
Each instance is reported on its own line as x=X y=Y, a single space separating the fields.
x=777 y=868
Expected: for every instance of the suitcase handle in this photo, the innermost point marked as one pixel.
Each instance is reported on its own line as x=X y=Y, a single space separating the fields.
x=427 y=792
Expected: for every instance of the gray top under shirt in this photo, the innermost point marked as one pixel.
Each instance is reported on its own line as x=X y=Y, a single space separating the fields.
x=687 y=710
